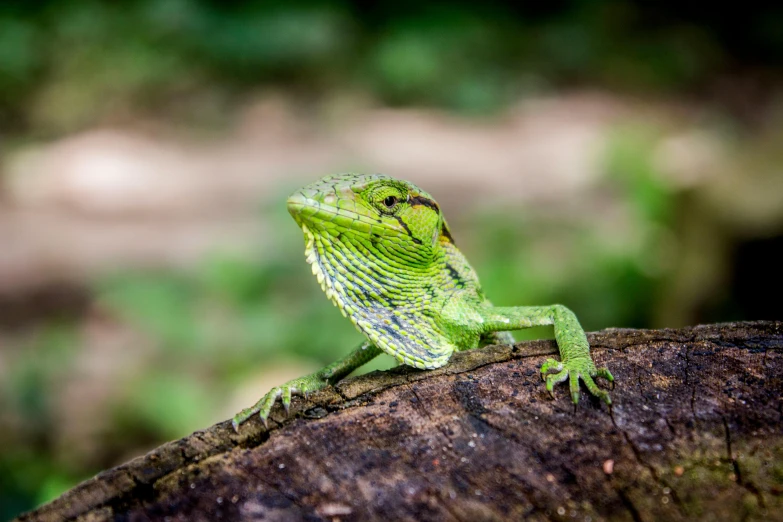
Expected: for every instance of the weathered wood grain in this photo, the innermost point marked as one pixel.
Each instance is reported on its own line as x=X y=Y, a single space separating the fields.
x=696 y=432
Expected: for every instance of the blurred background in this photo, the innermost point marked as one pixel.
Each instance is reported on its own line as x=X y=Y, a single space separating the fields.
x=623 y=158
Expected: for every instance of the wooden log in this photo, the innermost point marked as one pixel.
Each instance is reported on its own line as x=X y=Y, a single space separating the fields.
x=696 y=432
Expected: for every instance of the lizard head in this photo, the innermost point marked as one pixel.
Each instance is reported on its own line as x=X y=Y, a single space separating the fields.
x=370 y=210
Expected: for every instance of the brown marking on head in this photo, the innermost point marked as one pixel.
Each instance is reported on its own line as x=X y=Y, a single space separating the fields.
x=421 y=200
x=446 y=233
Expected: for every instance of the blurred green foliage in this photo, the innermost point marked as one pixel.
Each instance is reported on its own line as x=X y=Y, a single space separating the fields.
x=66 y=65
x=28 y=472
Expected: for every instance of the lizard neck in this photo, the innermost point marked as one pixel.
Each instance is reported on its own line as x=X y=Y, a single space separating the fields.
x=360 y=277
x=397 y=304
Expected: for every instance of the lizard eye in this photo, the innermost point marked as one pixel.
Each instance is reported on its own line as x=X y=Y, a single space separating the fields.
x=385 y=198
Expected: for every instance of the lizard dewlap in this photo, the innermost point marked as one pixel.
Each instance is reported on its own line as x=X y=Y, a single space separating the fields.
x=382 y=252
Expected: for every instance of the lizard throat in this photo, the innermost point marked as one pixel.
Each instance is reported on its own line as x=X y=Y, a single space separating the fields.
x=319 y=271
x=382 y=308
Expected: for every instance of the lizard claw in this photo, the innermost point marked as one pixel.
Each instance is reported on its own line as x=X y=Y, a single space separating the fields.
x=550 y=365
x=286 y=399
x=302 y=385
x=555 y=378
x=606 y=374
x=574 y=370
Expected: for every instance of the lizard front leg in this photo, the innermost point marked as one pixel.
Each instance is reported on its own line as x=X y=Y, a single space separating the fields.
x=308 y=384
x=575 y=359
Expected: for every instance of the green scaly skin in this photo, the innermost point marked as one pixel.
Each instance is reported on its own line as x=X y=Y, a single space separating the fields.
x=382 y=251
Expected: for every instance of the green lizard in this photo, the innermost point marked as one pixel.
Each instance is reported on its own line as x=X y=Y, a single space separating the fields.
x=384 y=255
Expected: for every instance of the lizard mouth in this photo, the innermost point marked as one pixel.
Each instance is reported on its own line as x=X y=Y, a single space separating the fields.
x=308 y=210
x=323 y=217
x=297 y=204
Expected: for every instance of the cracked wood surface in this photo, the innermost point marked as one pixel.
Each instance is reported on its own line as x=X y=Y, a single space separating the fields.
x=696 y=432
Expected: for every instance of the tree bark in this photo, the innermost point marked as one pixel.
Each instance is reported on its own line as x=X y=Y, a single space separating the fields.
x=696 y=432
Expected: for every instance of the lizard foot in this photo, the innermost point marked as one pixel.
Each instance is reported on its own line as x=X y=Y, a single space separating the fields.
x=554 y=372
x=301 y=386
